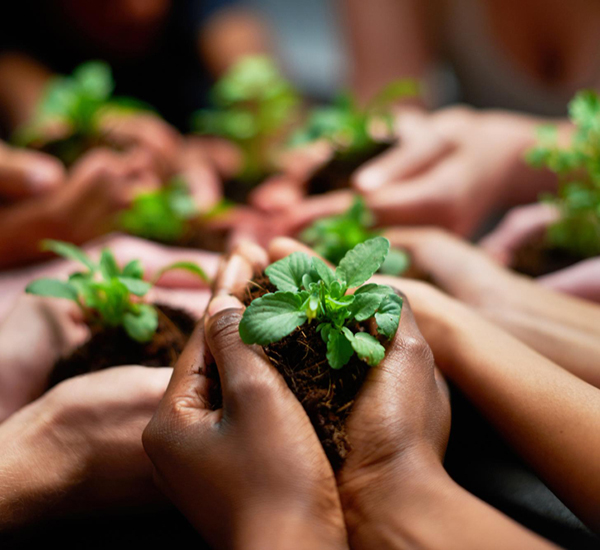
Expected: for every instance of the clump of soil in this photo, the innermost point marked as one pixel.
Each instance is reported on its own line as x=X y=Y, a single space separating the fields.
x=327 y=395
x=336 y=173
x=238 y=189
x=109 y=347
x=536 y=258
x=71 y=148
x=205 y=236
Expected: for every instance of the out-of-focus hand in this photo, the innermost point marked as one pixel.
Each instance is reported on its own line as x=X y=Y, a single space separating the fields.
x=148 y=132
x=452 y=168
x=79 y=447
x=519 y=226
x=252 y=473
x=36 y=332
x=25 y=174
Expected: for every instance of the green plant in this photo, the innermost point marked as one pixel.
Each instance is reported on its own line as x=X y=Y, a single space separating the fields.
x=347 y=126
x=309 y=290
x=161 y=215
x=78 y=101
x=333 y=237
x=578 y=169
x=253 y=105
x=107 y=295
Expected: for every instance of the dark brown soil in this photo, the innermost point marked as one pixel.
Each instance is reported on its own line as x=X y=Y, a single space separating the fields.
x=71 y=148
x=327 y=395
x=536 y=258
x=335 y=175
x=109 y=347
x=205 y=237
x=238 y=190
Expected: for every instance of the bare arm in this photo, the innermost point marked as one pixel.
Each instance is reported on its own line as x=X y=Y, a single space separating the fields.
x=387 y=40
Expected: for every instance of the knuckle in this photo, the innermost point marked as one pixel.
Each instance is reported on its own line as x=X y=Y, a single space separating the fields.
x=416 y=347
x=223 y=328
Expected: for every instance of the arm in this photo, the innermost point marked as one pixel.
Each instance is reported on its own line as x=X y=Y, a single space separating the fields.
x=387 y=40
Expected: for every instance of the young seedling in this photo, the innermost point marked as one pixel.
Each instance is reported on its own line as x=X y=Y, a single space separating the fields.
x=163 y=215
x=107 y=295
x=309 y=291
x=347 y=126
x=333 y=237
x=254 y=104
x=578 y=169
x=77 y=103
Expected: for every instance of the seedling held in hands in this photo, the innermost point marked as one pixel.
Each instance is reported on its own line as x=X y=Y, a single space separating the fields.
x=107 y=295
x=578 y=170
x=254 y=104
x=347 y=126
x=309 y=291
x=162 y=215
x=333 y=237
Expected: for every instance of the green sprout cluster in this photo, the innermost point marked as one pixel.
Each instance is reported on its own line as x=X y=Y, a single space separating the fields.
x=308 y=290
x=578 y=170
x=162 y=215
x=347 y=126
x=107 y=295
x=78 y=101
x=254 y=104
x=333 y=237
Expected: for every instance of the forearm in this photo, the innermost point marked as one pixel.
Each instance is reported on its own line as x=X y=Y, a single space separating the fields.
x=22 y=81
x=424 y=508
x=548 y=415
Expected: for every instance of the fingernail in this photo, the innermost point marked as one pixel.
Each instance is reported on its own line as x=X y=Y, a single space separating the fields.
x=221 y=303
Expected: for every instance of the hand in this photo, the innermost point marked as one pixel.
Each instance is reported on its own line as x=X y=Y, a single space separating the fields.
x=25 y=174
x=519 y=226
x=147 y=132
x=79 y=448
x=451 y=168
x=563 y=328
x=36 y=332
x=252 y=473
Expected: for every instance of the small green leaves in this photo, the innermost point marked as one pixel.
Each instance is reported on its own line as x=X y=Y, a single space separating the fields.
x=52 y=288
x=141 y=325
x=360 y=263
x=309 y=290
x=107 y=294
x=271 y=318
x=286 y=274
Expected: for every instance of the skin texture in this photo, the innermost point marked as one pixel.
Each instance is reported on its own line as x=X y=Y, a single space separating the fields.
x=561 y=327
x=547 y=414
x=251 y=474
x=25 y=174
x=78 y=448
x=36 y=331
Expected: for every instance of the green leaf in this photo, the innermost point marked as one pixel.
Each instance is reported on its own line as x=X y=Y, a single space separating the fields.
x=190 y=267
x=287 y=273
x=388 y=316
x=271 y=318
x=108 y=265
x=339 y=349
x=360 y=263
x=366 y=347
x=365 y=305
x=136 y=286
x=95 y=79
x=396 y=263
x=69 y=251
x=326 y=274
x=134 y=270
x=52 y=288
x=141 y=326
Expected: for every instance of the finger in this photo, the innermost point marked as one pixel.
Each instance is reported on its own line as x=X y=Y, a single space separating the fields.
x=192 y=385
x=245 y=373
x=201 y=177
x=582 y=280
x=28 y=173
x=300 y=162
x=277 y=193
x=451 y=263
x=193 y=302
x=314 y=208
x=233 y=275
x=518 y=226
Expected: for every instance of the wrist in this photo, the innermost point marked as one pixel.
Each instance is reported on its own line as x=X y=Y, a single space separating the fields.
x=381 y=506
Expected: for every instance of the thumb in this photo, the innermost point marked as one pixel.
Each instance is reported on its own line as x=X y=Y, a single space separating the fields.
x=25 y=173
